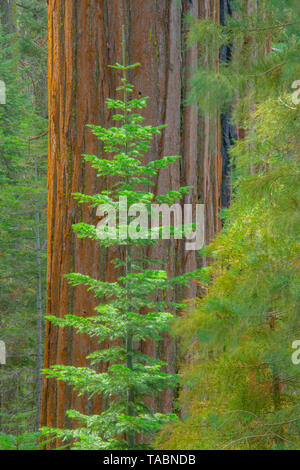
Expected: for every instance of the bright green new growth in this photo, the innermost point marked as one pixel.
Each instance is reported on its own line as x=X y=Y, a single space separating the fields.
x=23 y=59
x=131 y=376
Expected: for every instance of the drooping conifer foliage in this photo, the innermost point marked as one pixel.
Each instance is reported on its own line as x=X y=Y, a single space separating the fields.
x=241 y=388
x=135 y=307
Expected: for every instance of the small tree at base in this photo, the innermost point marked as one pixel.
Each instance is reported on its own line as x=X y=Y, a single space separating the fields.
x=131 y=376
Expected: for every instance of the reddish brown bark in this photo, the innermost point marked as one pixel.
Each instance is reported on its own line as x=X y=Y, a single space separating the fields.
x=84 y=38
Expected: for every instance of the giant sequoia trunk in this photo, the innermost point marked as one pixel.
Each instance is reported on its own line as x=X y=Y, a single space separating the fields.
x=84 y=38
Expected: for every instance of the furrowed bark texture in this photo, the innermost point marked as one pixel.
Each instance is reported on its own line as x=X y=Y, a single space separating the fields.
x=84 y=38
x=8 y=10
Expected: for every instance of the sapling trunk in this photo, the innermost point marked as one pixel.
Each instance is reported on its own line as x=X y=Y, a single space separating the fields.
x=131 y=375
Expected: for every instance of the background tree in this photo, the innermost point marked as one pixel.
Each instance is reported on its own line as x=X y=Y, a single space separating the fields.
x=241 y=388
x=134 y=308
x=84 y=38
x=22 y=199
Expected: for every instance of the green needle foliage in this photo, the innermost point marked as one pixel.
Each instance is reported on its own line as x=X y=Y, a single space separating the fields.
x=18 y=438
x=241 y=387
x=130 y=376
x=17 y=435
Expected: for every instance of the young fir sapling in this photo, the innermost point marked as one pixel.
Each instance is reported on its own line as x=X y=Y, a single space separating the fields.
x=130 y=376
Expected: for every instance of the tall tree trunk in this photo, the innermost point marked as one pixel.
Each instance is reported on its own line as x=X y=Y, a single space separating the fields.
x=84 y=38
x=8 y=10
x=39 y=299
